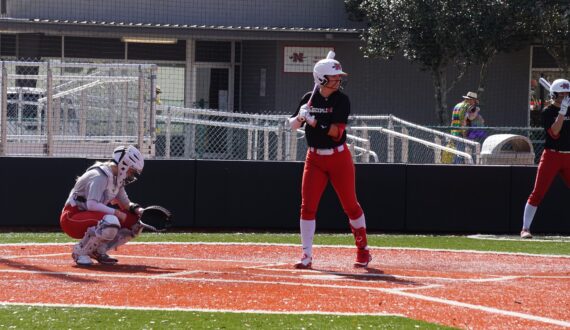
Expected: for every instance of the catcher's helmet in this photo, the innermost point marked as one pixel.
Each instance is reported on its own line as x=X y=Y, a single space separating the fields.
x=128 y=158
x=560 y=86
x=326 y=67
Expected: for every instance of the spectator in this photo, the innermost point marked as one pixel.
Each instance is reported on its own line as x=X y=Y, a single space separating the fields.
x=459 y=118
x=474 y=119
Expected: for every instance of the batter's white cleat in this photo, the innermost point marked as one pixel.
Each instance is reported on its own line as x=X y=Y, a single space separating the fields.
x=525 y=233
x=363 y=257
x=305 y=263
x=83 y=261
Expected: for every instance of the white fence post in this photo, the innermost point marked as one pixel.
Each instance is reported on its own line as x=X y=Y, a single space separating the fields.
x=49 y=111
x=4 y=112
x=140 y=129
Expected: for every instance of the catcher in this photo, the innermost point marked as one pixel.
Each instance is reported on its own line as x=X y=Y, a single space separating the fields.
x=99 y=212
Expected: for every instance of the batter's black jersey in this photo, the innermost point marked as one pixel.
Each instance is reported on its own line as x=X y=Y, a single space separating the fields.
x=562 y=143
x=331 y=110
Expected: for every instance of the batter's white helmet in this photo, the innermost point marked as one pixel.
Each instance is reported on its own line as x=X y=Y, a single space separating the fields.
x=560 y=86
x=128 y=158
x=326 y=67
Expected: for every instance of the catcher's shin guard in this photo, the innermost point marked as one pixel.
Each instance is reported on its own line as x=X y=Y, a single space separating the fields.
x=124 y=236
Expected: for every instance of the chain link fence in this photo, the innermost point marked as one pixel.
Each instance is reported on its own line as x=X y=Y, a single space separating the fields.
x=75 y=109
x=86 y=110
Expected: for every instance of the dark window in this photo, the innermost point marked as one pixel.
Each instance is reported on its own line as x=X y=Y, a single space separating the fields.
x=174 y=52
x=542 y=59
x=50 y=46
x=8 y=45
x=3 y=7
x=237 y=80
x=94 y=48
x=238 y=52
x=213 y=51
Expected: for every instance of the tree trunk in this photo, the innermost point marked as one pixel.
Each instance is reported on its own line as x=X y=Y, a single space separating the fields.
x=483 y=75
x=440 y=88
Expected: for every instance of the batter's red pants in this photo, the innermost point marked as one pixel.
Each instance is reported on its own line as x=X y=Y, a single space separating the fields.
x=319 y=169
x=551 y=163
x=75 y=222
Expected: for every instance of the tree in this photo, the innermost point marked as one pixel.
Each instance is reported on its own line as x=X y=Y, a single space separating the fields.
x=496 y=26
x=554 y=32
x=445 y=37
x=426 y=32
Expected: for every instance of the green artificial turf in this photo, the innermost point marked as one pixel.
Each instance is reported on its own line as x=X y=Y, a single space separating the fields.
x=33 y=317
x=408 y=241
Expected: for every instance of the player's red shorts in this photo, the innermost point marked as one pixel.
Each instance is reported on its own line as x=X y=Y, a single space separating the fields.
x=75 y=222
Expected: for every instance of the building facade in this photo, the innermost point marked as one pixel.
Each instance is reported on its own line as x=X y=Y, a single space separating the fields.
x=248 y=55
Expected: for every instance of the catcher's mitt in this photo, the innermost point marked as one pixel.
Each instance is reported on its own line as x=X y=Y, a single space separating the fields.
x=156 y=218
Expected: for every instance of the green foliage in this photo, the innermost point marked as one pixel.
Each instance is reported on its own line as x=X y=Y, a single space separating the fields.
x=554 y=32
x=443 y=37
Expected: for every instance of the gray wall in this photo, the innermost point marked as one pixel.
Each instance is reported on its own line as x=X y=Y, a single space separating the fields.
x=400 y=88
x=286 y=13
x=257 y=55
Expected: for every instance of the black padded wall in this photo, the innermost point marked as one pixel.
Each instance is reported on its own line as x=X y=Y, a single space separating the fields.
x=236 y=195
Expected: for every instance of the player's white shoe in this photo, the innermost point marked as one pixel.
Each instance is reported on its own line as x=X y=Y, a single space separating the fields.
x=83 y=260
x=305 y=263
x=525 y=233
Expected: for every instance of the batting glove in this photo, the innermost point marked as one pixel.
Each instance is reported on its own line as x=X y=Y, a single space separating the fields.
x=310 y=119
x=564 y=106
x=304 y=111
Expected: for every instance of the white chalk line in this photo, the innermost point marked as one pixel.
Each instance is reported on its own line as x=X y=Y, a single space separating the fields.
x=397 y=292
x=384 y=290
x=316 y=246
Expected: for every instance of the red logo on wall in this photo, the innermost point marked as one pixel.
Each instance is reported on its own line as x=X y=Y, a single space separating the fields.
x=297 y=57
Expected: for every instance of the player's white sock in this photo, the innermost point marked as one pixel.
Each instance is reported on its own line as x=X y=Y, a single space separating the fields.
x=307 y=235
x=529 y=212
x=359 y=222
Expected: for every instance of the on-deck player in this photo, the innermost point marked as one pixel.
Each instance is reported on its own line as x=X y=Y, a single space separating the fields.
x=328 y=158
x=555 y=158
x=87 y=213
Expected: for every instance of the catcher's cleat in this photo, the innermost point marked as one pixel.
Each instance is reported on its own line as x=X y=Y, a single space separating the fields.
x=104 y=259
x=82 y=260
x=305 y=263
x=363 y=257
x=525 y=233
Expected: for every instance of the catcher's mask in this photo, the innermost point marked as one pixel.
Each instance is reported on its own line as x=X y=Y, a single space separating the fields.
x=130 y=163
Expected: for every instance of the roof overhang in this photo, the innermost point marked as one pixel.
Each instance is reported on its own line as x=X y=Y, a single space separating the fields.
x=179 y=31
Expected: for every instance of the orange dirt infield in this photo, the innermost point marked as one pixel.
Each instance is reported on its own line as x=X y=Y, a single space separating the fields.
x=460 y=289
